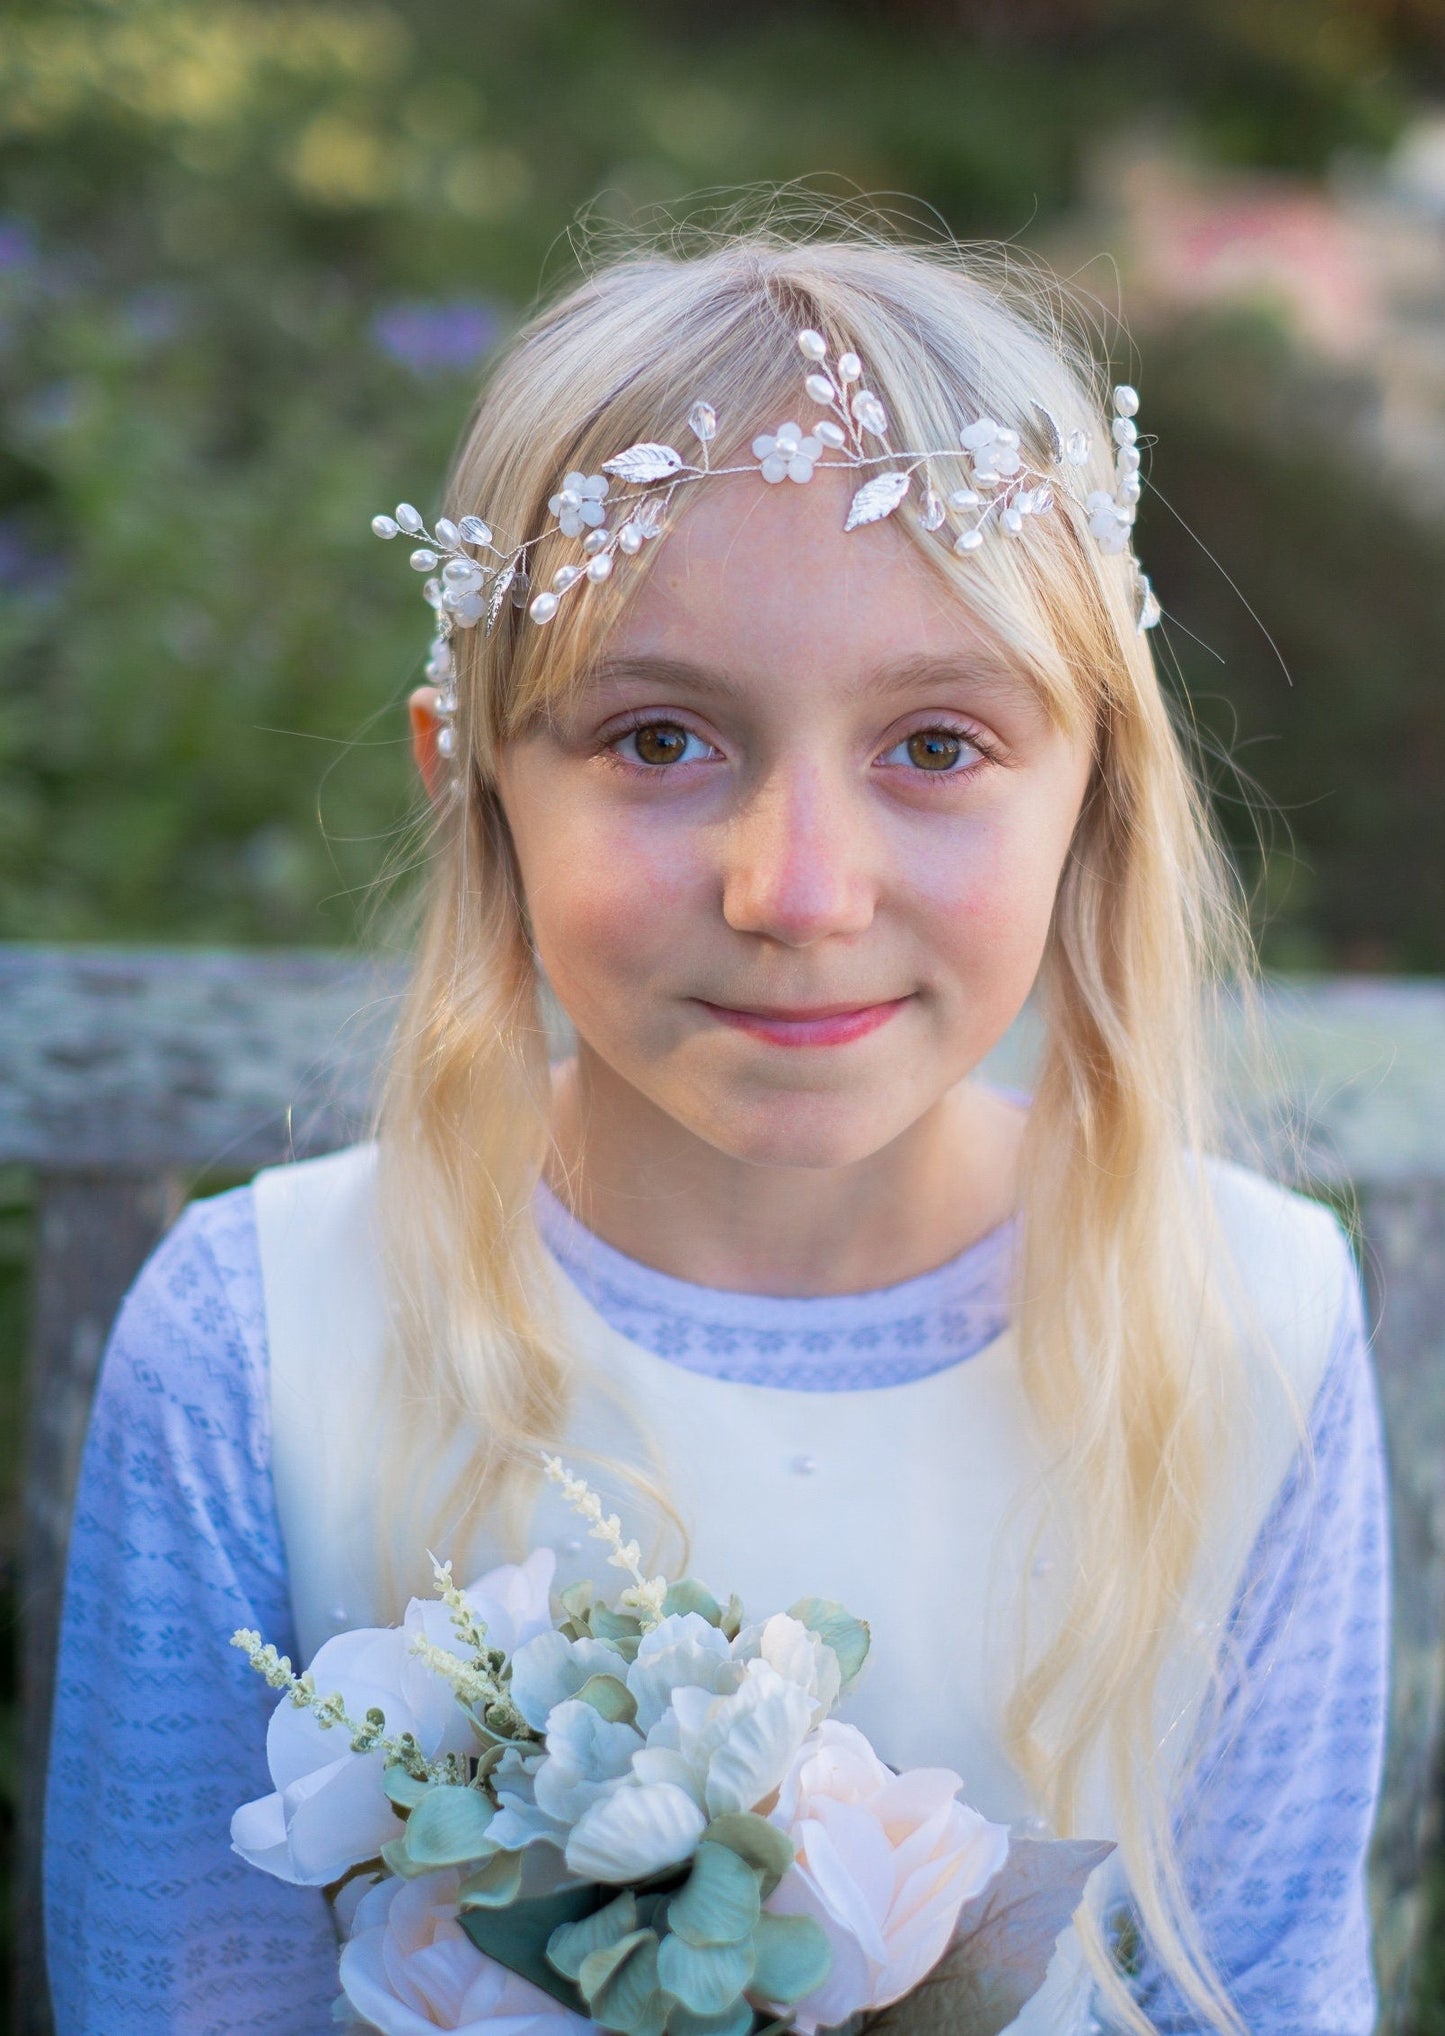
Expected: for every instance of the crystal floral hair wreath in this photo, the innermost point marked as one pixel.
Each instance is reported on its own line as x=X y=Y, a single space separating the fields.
x=1002 y=494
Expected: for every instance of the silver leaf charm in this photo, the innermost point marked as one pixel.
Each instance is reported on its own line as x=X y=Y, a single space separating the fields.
x=501 y=587
x=877 y=498
x=1053 y=437
x=645 y=462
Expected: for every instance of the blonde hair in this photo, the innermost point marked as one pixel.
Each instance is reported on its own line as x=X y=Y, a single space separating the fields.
x=1124 y=1335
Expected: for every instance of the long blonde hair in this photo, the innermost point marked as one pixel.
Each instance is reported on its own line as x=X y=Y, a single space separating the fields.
x=1124 y=1338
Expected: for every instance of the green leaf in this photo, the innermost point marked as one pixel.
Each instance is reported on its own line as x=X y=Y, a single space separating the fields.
x=576 y=1600
x=623 y=1630
x=495 y=1884
x=720 y=1902
x=609 y=1696
x=736 y=2021
x=518 y=1936
x=732 y=1619
x=705 y=1977
x=448 y=1826
x=570 y=1943
x=619 y=1983
x=757 y=1841
x=688 y=1595
x=1003 y=1944
x=405 y=1790
x=834 y=1624
x=397 y=1860
x=793 y=1957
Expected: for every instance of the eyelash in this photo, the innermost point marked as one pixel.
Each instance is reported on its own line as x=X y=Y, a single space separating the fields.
x=987 y=754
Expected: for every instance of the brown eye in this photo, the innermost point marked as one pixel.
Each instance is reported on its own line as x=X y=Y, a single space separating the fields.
x=660 y=742
x=934 y=749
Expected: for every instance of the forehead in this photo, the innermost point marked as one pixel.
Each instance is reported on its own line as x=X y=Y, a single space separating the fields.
x=757 y=578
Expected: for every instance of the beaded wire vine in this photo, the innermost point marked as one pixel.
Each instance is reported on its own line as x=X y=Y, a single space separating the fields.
x=1003 y=492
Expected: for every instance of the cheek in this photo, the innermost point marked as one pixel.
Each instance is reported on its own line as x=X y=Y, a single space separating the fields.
x=989 y=895
x=612 y=901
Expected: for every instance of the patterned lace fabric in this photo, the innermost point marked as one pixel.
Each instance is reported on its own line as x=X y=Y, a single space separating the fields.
x=154 y=1925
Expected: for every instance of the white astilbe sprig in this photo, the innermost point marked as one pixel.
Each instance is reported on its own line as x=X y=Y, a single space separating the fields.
x=366 y=1736
x=645 y=1594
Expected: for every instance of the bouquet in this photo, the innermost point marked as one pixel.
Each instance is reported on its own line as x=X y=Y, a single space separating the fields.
x=641 y=1815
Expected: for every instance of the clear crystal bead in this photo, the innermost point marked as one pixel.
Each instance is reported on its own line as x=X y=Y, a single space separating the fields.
x=385 y=526
x=702 y=422
x=932 y=513
x=521 y=585
x=1076 y=448
x=475 y=531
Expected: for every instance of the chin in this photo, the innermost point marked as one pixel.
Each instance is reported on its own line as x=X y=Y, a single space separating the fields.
x=808 y=1132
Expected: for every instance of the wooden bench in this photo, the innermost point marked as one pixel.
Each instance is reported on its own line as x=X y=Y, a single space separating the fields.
x=126 y=1077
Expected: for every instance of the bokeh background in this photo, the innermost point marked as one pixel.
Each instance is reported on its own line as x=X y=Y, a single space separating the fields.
x=253 y=258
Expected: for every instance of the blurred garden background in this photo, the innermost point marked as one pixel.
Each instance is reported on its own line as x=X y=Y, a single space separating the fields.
x=253 y=258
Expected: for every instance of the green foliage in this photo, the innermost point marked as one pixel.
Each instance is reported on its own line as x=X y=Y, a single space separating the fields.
x=836 y=1627
x=448 y=1827
x=253 y=260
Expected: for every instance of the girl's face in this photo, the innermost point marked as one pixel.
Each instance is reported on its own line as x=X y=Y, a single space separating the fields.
x=790 y=858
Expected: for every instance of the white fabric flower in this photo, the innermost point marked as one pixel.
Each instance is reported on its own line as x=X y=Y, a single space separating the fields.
x=410 y=1969
x=787 y=454
x=551 y=1668
x=1110 y=522
x=329 y=1810
x=586 y=1758
x=884 y=1864
x=798 y=1654
x=683 y=1651
x=994 y=449
x=580 y=503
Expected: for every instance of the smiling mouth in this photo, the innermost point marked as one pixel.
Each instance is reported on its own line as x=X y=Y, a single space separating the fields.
x=807 y=1024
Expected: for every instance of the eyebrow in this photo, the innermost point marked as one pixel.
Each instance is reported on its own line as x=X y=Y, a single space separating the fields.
x=982 y=669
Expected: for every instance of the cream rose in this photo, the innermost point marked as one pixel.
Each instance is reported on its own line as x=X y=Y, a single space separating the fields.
x=884 y=1864
x=410 y=1969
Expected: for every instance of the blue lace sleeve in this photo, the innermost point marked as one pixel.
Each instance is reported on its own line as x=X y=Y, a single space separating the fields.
x=152 y=1923
x=1276 y=1825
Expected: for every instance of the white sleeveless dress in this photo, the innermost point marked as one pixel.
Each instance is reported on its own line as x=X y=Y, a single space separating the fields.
x=916 y=1510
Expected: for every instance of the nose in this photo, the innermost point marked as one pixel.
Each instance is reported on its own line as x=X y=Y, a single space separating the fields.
x=798 y=859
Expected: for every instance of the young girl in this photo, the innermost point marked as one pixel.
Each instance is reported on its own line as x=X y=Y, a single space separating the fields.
x=792 y=817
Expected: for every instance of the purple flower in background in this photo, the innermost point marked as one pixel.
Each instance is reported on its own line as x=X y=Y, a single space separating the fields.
x=17 y=245
x=434 y=338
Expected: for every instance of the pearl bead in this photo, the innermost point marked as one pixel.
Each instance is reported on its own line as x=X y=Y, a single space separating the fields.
x=423 y=560
x=1125 y=431
x=829 y=432
x=594 y=541
x=813 y=345
x=565 y=576
x=805 y=1465
x=819 y=388
x=446 y=741
x=543 y=608
x=1126 y=401
x=968 y=540
x=407 y=518
x=447 y=531
x=384 y=526
x=849 y=367
x=600 y=567
x=630 y=539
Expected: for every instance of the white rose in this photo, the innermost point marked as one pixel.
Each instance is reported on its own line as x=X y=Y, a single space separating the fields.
x=884 y=1864
x=329 y=1811
x=409 y=1968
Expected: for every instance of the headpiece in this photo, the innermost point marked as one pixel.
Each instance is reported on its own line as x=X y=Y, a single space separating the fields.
x=1002 y=492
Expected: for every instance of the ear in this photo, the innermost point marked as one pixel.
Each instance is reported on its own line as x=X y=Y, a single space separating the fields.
x=425 y=727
